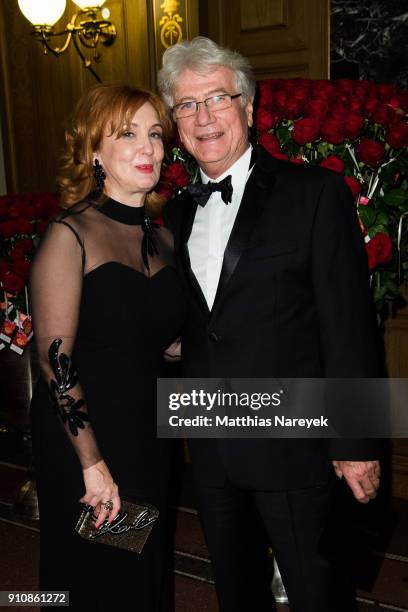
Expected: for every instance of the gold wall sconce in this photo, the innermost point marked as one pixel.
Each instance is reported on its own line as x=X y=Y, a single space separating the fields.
x=88 y=27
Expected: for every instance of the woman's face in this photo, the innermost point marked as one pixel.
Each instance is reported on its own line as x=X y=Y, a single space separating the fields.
x=132 y=158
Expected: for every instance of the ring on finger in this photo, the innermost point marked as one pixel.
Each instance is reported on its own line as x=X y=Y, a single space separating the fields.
x=107 y=505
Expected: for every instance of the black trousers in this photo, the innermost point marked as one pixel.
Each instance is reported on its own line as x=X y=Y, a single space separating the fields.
x=239 y=524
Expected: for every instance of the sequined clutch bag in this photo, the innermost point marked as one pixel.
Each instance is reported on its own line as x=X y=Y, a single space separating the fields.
x=129 y=530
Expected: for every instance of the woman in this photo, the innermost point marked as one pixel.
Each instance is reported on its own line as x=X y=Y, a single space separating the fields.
x=106 y=304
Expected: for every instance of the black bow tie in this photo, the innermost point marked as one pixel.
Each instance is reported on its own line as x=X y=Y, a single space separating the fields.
x=201 y=193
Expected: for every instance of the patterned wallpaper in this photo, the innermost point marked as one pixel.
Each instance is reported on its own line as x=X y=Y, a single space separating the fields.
x=369 y=40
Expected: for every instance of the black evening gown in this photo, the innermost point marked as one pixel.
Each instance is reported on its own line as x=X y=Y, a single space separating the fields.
x=113 y=311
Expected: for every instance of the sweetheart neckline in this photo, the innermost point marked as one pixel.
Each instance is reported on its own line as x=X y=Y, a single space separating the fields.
x=118 y=263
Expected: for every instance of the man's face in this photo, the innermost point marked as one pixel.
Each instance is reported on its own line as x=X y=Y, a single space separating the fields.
x=215 y=139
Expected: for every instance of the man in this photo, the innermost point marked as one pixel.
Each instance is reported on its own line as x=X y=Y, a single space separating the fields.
x=278 y=287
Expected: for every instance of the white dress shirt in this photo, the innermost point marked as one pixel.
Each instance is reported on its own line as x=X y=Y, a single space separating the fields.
x=212 y=228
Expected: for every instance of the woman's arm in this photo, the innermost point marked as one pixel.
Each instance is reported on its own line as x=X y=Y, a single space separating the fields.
x=55 y=290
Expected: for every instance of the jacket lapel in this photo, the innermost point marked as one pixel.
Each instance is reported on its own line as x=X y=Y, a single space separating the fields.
x=190 y=209
x=256 y=193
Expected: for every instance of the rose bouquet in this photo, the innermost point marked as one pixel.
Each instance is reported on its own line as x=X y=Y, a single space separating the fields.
x=356 y=128
x=23 y=219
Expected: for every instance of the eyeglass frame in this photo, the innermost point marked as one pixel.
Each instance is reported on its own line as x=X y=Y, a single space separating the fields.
x=232 y=97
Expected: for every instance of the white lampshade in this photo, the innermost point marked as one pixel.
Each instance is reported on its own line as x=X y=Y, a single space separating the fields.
x=42 y=12
x=84 y=4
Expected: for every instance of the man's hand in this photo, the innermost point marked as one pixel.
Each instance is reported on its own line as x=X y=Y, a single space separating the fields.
x=173 y=352
x=363 y=477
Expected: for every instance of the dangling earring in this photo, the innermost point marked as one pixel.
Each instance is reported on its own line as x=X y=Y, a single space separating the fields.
x=99 y=175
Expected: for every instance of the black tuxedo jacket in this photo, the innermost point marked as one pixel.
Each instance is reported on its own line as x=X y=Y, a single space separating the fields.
x=293 y=300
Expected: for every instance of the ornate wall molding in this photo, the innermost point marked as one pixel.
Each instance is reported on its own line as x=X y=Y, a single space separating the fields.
x=174 y=21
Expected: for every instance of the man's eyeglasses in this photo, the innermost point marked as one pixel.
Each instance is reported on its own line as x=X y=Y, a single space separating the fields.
x=214 y=103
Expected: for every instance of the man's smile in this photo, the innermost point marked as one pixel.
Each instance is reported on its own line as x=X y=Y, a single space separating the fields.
x=213 y=136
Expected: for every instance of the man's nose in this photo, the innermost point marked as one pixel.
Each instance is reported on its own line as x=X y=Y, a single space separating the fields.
x=203 y=115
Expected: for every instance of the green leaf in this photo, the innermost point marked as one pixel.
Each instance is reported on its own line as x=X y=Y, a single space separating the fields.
x=376 y=229
x=367 y=215
x=323 y=148
x=283 y=133
x=396 y=197
x=382 y=218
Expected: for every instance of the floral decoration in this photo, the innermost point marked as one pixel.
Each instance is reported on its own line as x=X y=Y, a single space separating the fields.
x=23 y=219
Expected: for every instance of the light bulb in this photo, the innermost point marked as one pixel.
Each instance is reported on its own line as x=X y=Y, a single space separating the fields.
x=84 y=4
x=42 y=12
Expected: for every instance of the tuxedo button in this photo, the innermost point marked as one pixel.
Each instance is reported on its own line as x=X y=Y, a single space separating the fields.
x=214 y=337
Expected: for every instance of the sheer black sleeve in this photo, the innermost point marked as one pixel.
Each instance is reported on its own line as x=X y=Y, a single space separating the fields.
x=55 y=291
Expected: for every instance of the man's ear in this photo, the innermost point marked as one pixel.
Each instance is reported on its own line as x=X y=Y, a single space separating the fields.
x=249 y=109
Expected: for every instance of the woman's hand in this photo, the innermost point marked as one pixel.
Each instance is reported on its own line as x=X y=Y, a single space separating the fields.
x=173 y=352
x=100 y=488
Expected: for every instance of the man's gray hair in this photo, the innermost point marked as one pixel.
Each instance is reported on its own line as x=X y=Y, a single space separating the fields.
x=203 y=55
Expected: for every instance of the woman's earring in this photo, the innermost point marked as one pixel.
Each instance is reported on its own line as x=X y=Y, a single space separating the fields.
x=99 y=175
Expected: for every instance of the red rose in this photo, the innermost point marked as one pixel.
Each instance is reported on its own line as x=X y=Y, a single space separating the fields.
x=7 y=229
x=382 y=115
x=379 y=250
x=297 y=160
x=371 y=105
x=270 y=143
x=22 y=268
x=3 y=210
x=177 y=175
x=265 y=84
x=166 y=192
x=395 y=118
x=41 y=226
x=332 y=131
x=397 y=136
x=370 y=152
x=403 y=100
x=264 y=120
x=38 y=209
x=281 y=99
x=13 y=283
x=280 y=156
x=353 y=184
x=24 y=244
x=338 y=111
x=51 y=207
x=322 y=88
x=305 y=130
x=317 y=109
x=353 y=125
x=344 y=84
x=333 y=163
x=385 y=90
x=17 y=254
x=4 y=268
x=265 y=90
x=14 y=212
x=300 y=93
x=23 y=226
x=293 y=108
x=355 y=105
x=265 y=99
